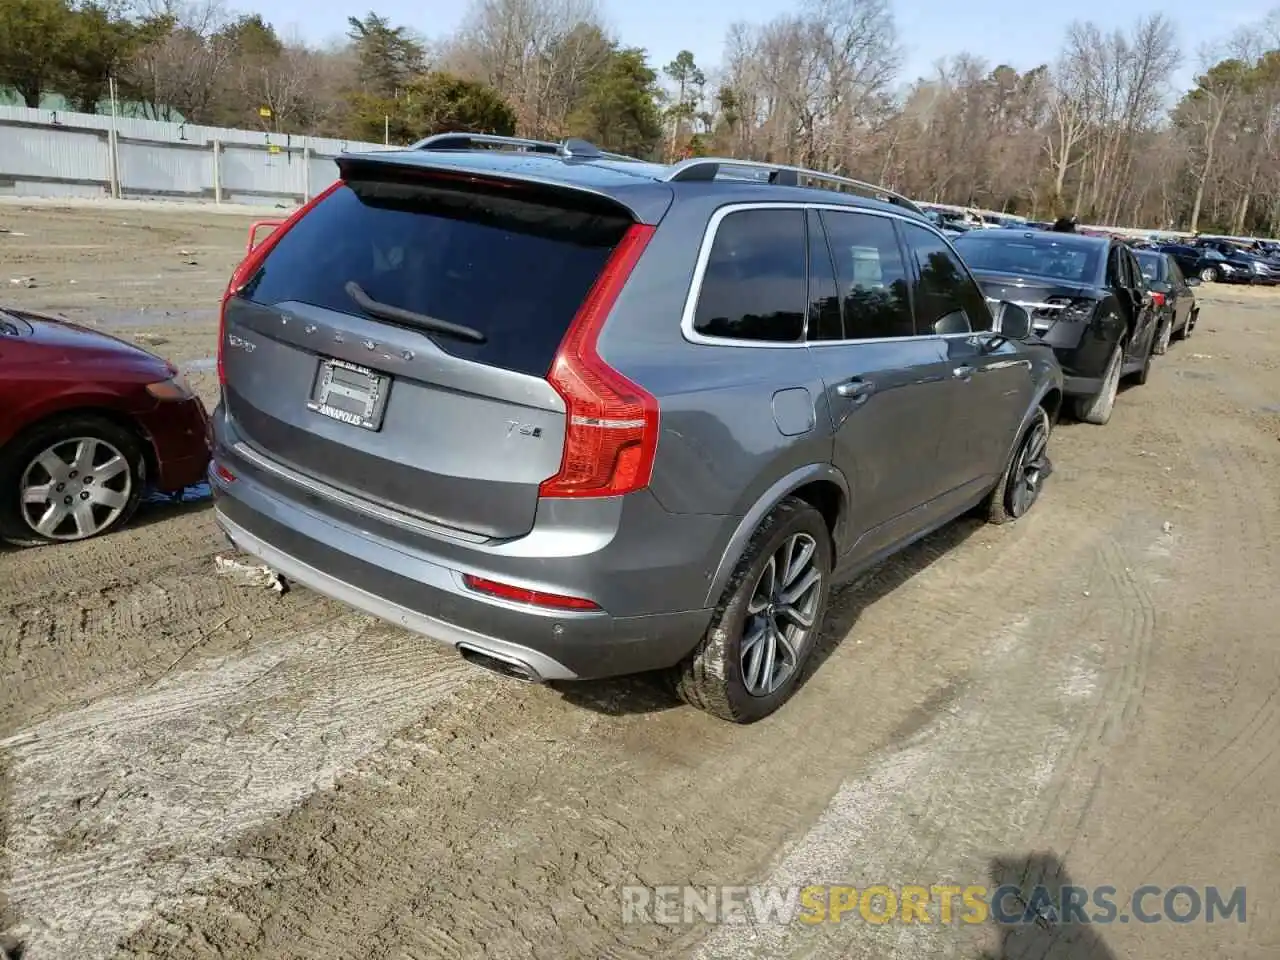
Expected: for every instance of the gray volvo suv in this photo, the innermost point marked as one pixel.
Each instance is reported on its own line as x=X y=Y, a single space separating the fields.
x=579 y=415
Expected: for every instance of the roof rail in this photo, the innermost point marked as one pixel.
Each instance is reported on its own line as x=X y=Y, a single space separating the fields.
x=570 y=148
x=473 y=141
x=708 y=168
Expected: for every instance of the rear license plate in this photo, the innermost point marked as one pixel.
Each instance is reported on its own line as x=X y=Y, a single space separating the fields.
x=350 y=393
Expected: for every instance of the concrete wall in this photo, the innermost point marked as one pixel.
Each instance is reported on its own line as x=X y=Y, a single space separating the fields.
x=47 y=153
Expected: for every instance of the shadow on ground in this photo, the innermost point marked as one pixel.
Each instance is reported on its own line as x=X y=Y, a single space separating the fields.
x=1035 y=924
x=158 y=507
x=651 y=693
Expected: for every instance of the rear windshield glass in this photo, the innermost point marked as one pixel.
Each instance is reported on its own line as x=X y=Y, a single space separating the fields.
x=514 y=268
x=1075 y=262
x=1153 y=264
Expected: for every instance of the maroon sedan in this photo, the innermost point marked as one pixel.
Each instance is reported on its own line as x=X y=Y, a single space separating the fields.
x=87 y=422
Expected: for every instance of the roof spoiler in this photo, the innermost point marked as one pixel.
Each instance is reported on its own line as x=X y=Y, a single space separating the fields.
x=643 y=206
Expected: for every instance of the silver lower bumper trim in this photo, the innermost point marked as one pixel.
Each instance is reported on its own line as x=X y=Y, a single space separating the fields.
x=540 y=667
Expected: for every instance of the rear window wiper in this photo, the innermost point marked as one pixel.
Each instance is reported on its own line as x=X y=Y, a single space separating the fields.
x=410 y=318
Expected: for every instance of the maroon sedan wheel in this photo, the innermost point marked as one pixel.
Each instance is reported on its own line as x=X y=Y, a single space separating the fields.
x=70 y=479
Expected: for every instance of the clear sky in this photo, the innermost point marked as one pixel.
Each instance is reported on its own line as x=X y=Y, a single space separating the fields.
x=1020 y=33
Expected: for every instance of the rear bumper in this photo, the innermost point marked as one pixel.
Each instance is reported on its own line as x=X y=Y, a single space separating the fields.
x=419 y=592
x=1081 y=386
x=1083 y=351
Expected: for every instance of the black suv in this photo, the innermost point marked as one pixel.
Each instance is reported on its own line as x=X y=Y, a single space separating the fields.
x=1088 y=300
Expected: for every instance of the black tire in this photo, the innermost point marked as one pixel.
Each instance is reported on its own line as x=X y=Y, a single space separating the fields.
x=18 y=455
x=1164 y=334
x=1190 y=325
x=1097 y=409
x=1144 y=372
x=712 y=677
x=1004 y=502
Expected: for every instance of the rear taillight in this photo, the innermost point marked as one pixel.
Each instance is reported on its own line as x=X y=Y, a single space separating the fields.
x=611 y=424
x=1157 y=299
x=253 y=260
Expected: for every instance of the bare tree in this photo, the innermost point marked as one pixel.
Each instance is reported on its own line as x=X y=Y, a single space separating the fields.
x=817 y=85
x=1217 y=90
x=521 y=48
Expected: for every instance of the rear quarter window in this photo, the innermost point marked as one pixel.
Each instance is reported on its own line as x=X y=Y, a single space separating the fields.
x=515 y=267
x=754 y=285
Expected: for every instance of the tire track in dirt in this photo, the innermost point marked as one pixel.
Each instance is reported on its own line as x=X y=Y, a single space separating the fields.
x=1247 y=567
x=866 y=826
x=911 y=819
x=121 y=805
x=124 y=624
x=532 y=811
x=1218 y=703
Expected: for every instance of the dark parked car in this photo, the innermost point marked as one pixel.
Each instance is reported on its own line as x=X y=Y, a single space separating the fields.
x=1267 y=249
x=86 y=423
x=579 y=416
x=951 y=224
x=1175 y=300
x=1207 y=264
x=1257 y=269
x=1088 y=300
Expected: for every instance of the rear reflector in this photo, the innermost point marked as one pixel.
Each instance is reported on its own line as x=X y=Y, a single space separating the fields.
x=611 y=424
x=534 y=598
x=223 y=474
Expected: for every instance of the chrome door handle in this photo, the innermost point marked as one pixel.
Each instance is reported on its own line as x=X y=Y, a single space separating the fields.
x=852 y=389
x=963 y=372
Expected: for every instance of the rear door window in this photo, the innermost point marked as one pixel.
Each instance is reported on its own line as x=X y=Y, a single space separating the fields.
x=1154 y=265
x=516 y=268
x=872 y=275
x=754 y=286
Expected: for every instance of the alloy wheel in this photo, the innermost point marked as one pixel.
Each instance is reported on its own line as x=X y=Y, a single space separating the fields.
x=1166 y=335
x=75 y=489
x=1030 y=469
x=781 y=615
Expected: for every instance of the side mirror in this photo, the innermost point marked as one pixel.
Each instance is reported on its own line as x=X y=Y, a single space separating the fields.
x=1012 y=321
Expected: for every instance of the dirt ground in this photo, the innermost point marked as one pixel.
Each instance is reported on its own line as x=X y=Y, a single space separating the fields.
x=194 y=768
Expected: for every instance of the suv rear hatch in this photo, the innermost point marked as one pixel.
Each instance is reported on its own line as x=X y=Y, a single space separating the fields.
x=397 y=340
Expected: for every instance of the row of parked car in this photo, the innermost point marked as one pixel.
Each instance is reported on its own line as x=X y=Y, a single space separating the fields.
x=579 y=415
x=1217 y=260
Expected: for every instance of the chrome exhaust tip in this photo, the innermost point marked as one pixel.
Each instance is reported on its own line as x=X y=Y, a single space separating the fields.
x=506 y=666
